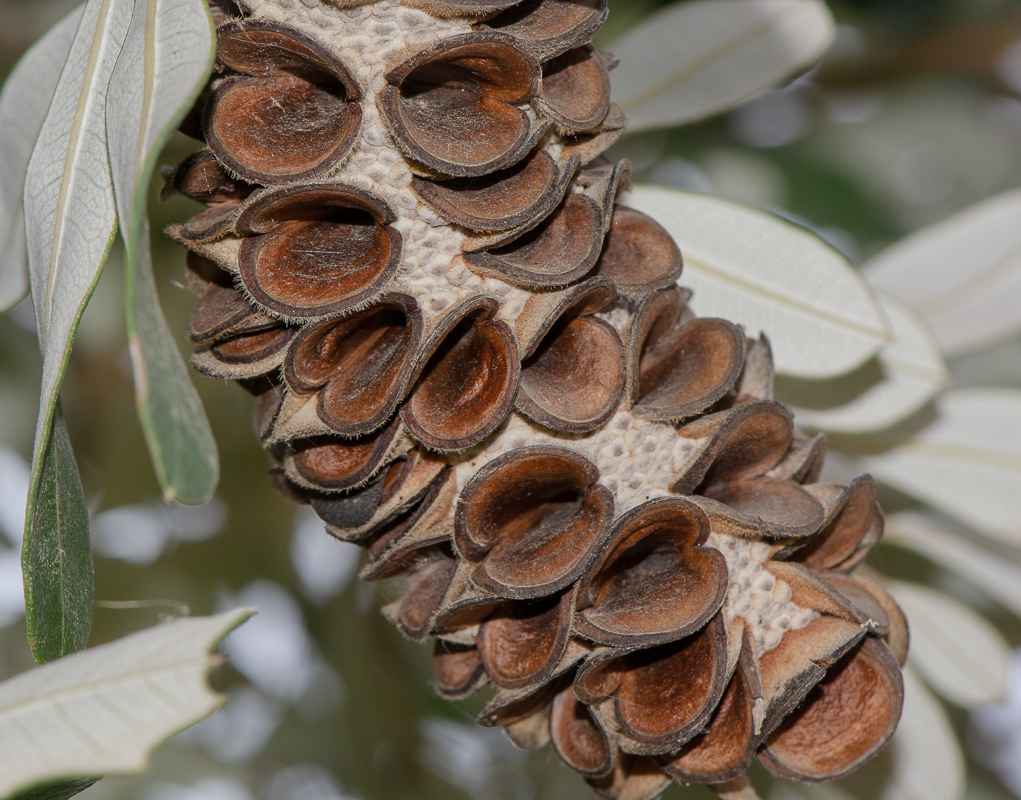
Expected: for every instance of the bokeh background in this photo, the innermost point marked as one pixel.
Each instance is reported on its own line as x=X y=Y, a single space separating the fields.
x=915 y=114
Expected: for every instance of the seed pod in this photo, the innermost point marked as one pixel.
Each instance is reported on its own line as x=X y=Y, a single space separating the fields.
x=472 y=360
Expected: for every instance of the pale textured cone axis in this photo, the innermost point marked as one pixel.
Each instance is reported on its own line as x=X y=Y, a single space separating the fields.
x=470 y=359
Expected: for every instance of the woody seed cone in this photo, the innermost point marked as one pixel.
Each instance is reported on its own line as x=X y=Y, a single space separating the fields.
x=470 y=359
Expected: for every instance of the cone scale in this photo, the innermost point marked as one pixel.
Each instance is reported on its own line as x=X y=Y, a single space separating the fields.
x=471 y=359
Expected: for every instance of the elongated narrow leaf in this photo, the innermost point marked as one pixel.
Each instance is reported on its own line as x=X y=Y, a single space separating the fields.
x=23 y=103
x=761 y=271
x=180 y=439
x=166 y=59
x=70 y=223
x=60 y=790
x=961 y=655
x=963 y=274
x=997 y=576
x=56 y=557
x=69 y=207
x=104 y=710
x=965 y=460
x=903 y=377
x=925 y=756
x=695 y=59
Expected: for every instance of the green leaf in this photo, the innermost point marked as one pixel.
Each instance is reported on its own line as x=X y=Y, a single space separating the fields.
x=70 y=221
x=180 y=439
x=56 y=555
x=692 y=60
x=167 y=56
x=769 y=275
x=887 y=389
x=104 y=710
x=56 y=791
x=23 y=104
x=69 y=208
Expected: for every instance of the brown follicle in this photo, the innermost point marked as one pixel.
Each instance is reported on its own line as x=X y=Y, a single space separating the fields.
x=574 y=380
x=550 y=27
x=542 y=311
x=662 y=695
x=396 y=497
x=246 y=351
x=223 y=10
x=843 y=720
x=831 y=593
x=201 y=177
x=575 y=90
x=522 y=642
x=898 y=637
x=684 y=368
x=221 y=308
x=532 y=521
x=454 y=107
x=519 y=196
x=590 y=145
x=762 y=507
x=578 y=737
x=394 y=543
x=457 y=670
x=468 y=382
x=655 y=582
x=728 y=745
x=563 y=248
x=332 y=463
x=359 y=365
x=804 y=458
x=290 y=112
x=427 y=583
x=852 y=526
x=317 y=249
x=739 y=443
x=639 y=255
x=790 y=670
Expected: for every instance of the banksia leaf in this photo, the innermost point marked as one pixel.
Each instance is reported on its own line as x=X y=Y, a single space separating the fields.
x=23 y=105
x=772 y=276
x=104 y=710
x=679 y=64
x=68 y=171
x=152 y=85
x=471 y=357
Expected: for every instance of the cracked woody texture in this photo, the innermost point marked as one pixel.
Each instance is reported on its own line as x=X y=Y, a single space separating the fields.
x=471 y=360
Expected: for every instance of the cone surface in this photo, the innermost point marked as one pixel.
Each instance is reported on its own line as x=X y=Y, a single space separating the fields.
x=471 y=359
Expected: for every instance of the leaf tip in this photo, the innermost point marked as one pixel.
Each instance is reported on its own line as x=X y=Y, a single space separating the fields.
x=233 y=619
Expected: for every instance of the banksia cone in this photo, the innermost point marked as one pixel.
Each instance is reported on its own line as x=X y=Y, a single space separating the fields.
x=470 y=359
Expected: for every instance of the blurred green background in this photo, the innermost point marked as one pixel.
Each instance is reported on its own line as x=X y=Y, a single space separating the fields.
x=915 y=114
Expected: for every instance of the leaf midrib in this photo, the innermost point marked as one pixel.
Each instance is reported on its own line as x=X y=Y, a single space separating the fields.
x=70 y=157
x=147 y=673
x=727 y=276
